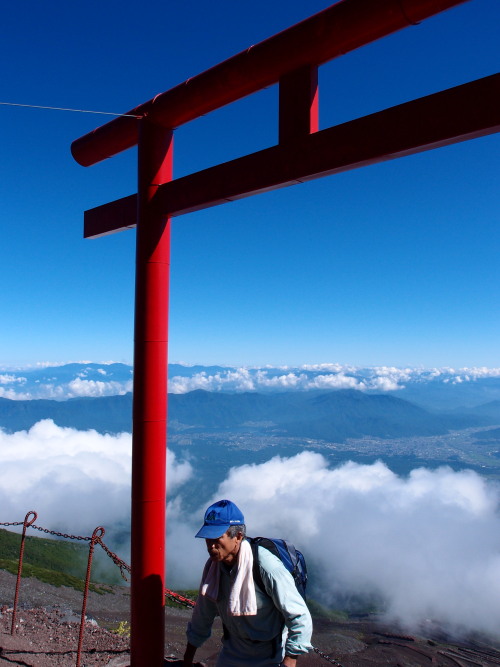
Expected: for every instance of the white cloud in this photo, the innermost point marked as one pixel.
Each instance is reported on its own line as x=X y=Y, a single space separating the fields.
x=459 y=374
x=57 y=392
x=307 y=377
x=75 y=480
x=8 y=393
x=287 y=381
x=385 y=384
x=398 y=374
x=49 y=364
x=328 y=368
x=79 y=387
x=337 y=381
x=242 y=379
x=11 y=379
x=304 y=378
x=237 y=380
x=14 y=395
x=428 y=545
x=182 y=385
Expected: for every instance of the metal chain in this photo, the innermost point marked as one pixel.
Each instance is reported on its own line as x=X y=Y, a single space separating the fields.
x=326 y=657
x=116 y=559
x=190 y=603
x=175 y=597
x=125 y=567
x=65 y=535
x=13 y=523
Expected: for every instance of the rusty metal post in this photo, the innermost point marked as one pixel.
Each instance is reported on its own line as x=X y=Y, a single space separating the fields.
x=96 y=536
x=149 y=440
x=27 y=522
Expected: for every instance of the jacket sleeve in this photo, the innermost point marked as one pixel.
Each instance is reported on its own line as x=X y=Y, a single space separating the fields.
x=199 y=628
x=281 y=588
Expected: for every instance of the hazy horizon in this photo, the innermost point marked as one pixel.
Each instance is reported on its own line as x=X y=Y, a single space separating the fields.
x=79 y=379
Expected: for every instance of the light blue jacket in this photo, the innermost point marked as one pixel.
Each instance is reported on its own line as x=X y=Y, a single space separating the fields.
x=281 y=611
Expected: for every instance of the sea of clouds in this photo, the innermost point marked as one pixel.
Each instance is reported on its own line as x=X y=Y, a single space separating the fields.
x=94 y=380
x=75 y=480
x=427 y=545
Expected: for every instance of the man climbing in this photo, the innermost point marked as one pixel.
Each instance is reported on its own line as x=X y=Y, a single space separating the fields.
x=263 y=628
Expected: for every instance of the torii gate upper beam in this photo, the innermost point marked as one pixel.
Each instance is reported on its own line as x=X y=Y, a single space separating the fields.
x=291 y=59
x=429 y=122
x=341 y=28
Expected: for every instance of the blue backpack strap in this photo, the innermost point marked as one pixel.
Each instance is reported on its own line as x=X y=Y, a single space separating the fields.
x=257 y=577
x=286 y=552
x=291 y=558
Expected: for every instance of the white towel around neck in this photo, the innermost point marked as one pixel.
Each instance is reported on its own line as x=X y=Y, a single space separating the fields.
x=242 y=599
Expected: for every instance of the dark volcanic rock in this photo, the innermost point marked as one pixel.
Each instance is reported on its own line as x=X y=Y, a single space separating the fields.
x=48 y=629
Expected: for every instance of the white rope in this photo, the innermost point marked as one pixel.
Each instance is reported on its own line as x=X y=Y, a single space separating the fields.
x=35 y=106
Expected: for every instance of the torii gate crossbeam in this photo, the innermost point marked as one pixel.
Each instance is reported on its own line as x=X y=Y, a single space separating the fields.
x=291 y=59
x=436 y=120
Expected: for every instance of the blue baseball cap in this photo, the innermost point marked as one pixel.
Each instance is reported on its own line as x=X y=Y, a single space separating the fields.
x=218 y=518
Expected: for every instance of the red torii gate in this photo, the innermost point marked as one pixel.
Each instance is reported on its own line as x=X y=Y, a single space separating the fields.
x=291 y=59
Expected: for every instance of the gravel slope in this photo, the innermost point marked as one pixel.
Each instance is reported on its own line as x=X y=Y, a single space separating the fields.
x=48 y=629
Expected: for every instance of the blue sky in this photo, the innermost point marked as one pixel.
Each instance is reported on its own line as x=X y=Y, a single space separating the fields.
x=395 y=264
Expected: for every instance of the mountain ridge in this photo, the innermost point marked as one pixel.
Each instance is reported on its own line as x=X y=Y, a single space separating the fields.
x=434 y=389
x=328 y=415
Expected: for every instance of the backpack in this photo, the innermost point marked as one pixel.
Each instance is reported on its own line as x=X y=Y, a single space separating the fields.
x=291 y=558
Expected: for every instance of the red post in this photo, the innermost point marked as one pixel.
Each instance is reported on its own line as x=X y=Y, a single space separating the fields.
x=29 y=519
x=149 y=439
x=96 y=537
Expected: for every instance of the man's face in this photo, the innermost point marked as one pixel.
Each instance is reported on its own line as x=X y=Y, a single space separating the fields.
x=224 y=549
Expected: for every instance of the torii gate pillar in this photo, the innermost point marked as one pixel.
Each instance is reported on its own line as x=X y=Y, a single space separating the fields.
x=304 y=152
x=150 y=399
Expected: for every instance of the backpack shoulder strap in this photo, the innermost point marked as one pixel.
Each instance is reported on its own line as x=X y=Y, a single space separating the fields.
x=257 y=577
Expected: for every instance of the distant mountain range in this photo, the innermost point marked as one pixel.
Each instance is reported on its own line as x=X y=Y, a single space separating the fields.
x=222 y=430
x=332 y=415
x=434 y=389
x=109 y=414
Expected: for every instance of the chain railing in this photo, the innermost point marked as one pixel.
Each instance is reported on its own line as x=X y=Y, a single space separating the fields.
x=64 y=535
x=122 y=565
x=327 y=657
x=12 y=523
x=180 y=599
x=28 y=521
x=96 y=538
